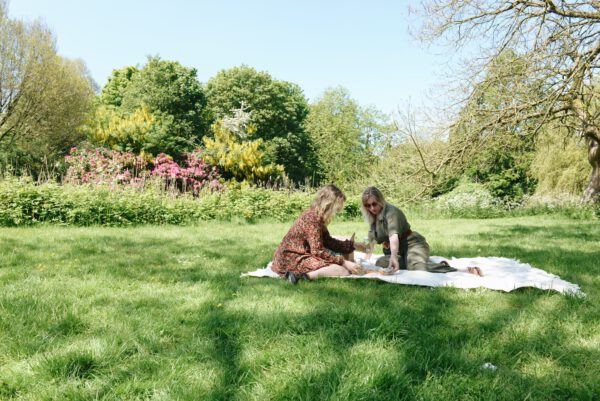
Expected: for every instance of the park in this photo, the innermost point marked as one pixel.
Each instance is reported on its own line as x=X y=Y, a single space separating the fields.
x=131 y=213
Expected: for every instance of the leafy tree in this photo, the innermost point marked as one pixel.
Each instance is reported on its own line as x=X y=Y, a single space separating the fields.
x=345 y=136
x=504 y=170
x=499 y=157
x=399 y=174
x=559 y=164
x=25 y=51
x=278 y=108
x=114 y=90
x=168 y=91
x=44 y=98
x=560 y=42
x=64 y=107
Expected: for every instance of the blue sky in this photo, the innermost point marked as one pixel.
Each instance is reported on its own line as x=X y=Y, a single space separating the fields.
x=362 y=46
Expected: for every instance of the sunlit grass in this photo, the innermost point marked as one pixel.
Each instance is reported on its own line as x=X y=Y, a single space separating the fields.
x=161 y=313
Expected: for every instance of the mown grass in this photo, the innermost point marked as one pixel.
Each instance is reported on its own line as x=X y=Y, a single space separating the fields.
x=161 y=313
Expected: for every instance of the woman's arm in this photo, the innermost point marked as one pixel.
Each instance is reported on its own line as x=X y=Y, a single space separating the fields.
x=394 y=248
x=314 y=236
x=344 y=247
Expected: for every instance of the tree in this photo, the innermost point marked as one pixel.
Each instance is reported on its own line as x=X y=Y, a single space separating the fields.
x=399 y=172
x=560 y=165
x=64 y=106
x=560 y=40
x=278 y=108
x=114 y=90
x=171 y=93
x=500 y=157
x=345 y=135
x=44 y=98
x=25 y=51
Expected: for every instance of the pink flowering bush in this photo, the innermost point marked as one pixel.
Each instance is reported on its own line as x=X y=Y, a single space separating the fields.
x=110 y=167
x=102 y=166
x=197 y=175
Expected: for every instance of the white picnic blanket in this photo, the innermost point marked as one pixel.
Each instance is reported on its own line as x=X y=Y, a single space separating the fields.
x=501 y=274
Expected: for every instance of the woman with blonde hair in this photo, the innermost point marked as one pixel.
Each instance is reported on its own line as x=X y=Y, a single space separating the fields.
x=402 y=247
x=305 y=251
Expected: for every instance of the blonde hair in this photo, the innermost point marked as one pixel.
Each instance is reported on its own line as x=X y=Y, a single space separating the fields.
x=328 y=201
x=371 y=192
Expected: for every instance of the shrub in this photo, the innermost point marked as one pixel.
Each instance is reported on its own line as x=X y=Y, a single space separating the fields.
x=241 y=159
x=565 y=204
x=24 y=203
x=196 y=176
x=468 y=200
x=101 y=166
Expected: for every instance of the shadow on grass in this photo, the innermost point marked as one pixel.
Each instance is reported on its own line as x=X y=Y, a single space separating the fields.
x=530 y=336
x=420 y=321
x=435 y=346
x=432 y=342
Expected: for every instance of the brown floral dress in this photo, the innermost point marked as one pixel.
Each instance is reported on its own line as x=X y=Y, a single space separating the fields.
x=302 y=250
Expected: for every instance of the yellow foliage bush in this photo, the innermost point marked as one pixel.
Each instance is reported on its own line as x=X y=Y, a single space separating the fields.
x=129 y=132
x=243 y=160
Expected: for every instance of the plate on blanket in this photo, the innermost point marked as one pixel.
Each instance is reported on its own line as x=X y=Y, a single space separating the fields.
x=502 y=274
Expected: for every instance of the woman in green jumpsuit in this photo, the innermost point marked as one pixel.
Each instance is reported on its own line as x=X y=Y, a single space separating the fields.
x=402 y=247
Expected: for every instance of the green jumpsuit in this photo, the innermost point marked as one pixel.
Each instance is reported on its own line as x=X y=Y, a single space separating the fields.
x=413 y=253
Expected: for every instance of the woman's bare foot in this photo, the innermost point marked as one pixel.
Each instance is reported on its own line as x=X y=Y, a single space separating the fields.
x=475 y=270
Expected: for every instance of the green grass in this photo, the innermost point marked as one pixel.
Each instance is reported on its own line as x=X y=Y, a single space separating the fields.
x=161 y=313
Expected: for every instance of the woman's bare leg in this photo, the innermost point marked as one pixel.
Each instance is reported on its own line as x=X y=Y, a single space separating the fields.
x=328 y=271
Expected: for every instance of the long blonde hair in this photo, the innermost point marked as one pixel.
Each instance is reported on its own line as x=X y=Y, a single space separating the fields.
x=328 y=201
x=371 y=192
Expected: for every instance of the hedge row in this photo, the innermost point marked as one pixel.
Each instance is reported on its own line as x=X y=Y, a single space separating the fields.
x=23 y=203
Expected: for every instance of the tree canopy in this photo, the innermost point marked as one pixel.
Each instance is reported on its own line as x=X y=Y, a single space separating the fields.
x=560 y=44
x=344 y=135
x=278 y=109
x=44 y=97
x=170 y=93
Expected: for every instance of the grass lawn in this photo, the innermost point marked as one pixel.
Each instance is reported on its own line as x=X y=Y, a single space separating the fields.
x=161 y=313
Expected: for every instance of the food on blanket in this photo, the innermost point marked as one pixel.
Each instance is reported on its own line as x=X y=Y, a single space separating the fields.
x=368 y=268
x=385 y=271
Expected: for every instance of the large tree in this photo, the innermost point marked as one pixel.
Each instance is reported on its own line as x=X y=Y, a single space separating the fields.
x=499 y=157
x=560 y=40
x=346 y=136
x=173 y=96
x=44 y=98
x=25 y=51
x=65 y=106
x=278 y=109
x=113 y=92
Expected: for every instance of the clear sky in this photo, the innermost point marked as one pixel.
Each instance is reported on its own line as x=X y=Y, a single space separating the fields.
x=363 y=46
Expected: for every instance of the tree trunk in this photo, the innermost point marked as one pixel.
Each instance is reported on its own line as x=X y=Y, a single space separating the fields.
x=592 y=192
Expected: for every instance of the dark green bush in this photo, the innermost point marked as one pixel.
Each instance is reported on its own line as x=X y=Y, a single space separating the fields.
x=25 y=203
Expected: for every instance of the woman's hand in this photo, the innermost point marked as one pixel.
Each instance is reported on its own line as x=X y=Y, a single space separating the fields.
x=394 y=266
x=353 y=268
